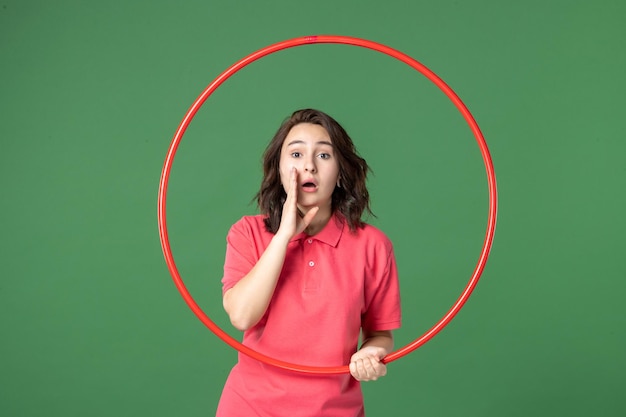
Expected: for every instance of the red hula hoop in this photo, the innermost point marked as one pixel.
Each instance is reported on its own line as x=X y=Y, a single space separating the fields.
x=491 y=179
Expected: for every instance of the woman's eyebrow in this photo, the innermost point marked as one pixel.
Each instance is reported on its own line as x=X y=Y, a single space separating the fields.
x=300 y=142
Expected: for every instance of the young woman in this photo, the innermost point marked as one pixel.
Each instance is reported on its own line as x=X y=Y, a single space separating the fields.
x=306 y=277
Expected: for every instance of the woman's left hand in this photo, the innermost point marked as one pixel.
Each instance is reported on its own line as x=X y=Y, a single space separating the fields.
x=366 y=365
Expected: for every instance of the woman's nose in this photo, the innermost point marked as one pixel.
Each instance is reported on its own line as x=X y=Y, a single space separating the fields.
x=309 y=165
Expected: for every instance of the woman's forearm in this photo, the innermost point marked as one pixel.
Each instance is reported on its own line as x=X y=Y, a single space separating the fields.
x=382 y=339
x=247 y=301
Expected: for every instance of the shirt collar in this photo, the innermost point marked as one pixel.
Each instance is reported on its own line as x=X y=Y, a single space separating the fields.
x=330 y=234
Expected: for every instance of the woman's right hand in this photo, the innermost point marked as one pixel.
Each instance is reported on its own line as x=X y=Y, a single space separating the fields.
x=292 y=221
x=248 y=300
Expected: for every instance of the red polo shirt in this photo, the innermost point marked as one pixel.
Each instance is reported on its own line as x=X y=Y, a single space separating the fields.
x=331 y=285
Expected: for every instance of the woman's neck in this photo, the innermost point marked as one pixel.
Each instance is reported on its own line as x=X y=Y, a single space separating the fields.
x=319 y=222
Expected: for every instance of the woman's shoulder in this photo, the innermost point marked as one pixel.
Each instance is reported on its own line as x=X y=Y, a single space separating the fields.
x=253 y=222
x=249 y=229
x=250 y=219
x=372 y=234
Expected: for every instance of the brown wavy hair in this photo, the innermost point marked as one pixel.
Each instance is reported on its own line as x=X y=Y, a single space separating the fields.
x=350 y=199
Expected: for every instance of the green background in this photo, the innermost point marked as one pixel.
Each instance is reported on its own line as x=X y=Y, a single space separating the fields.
x=91 y=94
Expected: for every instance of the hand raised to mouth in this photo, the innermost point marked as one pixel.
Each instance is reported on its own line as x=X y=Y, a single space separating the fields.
x=293 y=221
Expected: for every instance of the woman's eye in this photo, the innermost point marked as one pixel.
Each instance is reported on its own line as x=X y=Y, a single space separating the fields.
x=324 y=155
x=296 y=154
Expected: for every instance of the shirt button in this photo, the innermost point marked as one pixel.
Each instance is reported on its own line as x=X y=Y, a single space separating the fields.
x=310 y=240
x=311 y=263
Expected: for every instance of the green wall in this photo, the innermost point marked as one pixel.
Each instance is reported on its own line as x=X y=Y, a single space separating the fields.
x=92 y=92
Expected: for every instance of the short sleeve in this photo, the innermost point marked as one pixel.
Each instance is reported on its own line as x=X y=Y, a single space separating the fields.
x=241 y=254
x=382 y=292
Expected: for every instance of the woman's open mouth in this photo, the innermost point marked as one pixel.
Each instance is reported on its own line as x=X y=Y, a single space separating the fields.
x=309 y=187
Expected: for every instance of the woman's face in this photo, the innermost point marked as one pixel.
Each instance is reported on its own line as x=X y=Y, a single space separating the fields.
x=309 y=149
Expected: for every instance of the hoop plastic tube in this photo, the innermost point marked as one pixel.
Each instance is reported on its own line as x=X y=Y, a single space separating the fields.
x=308 y=40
